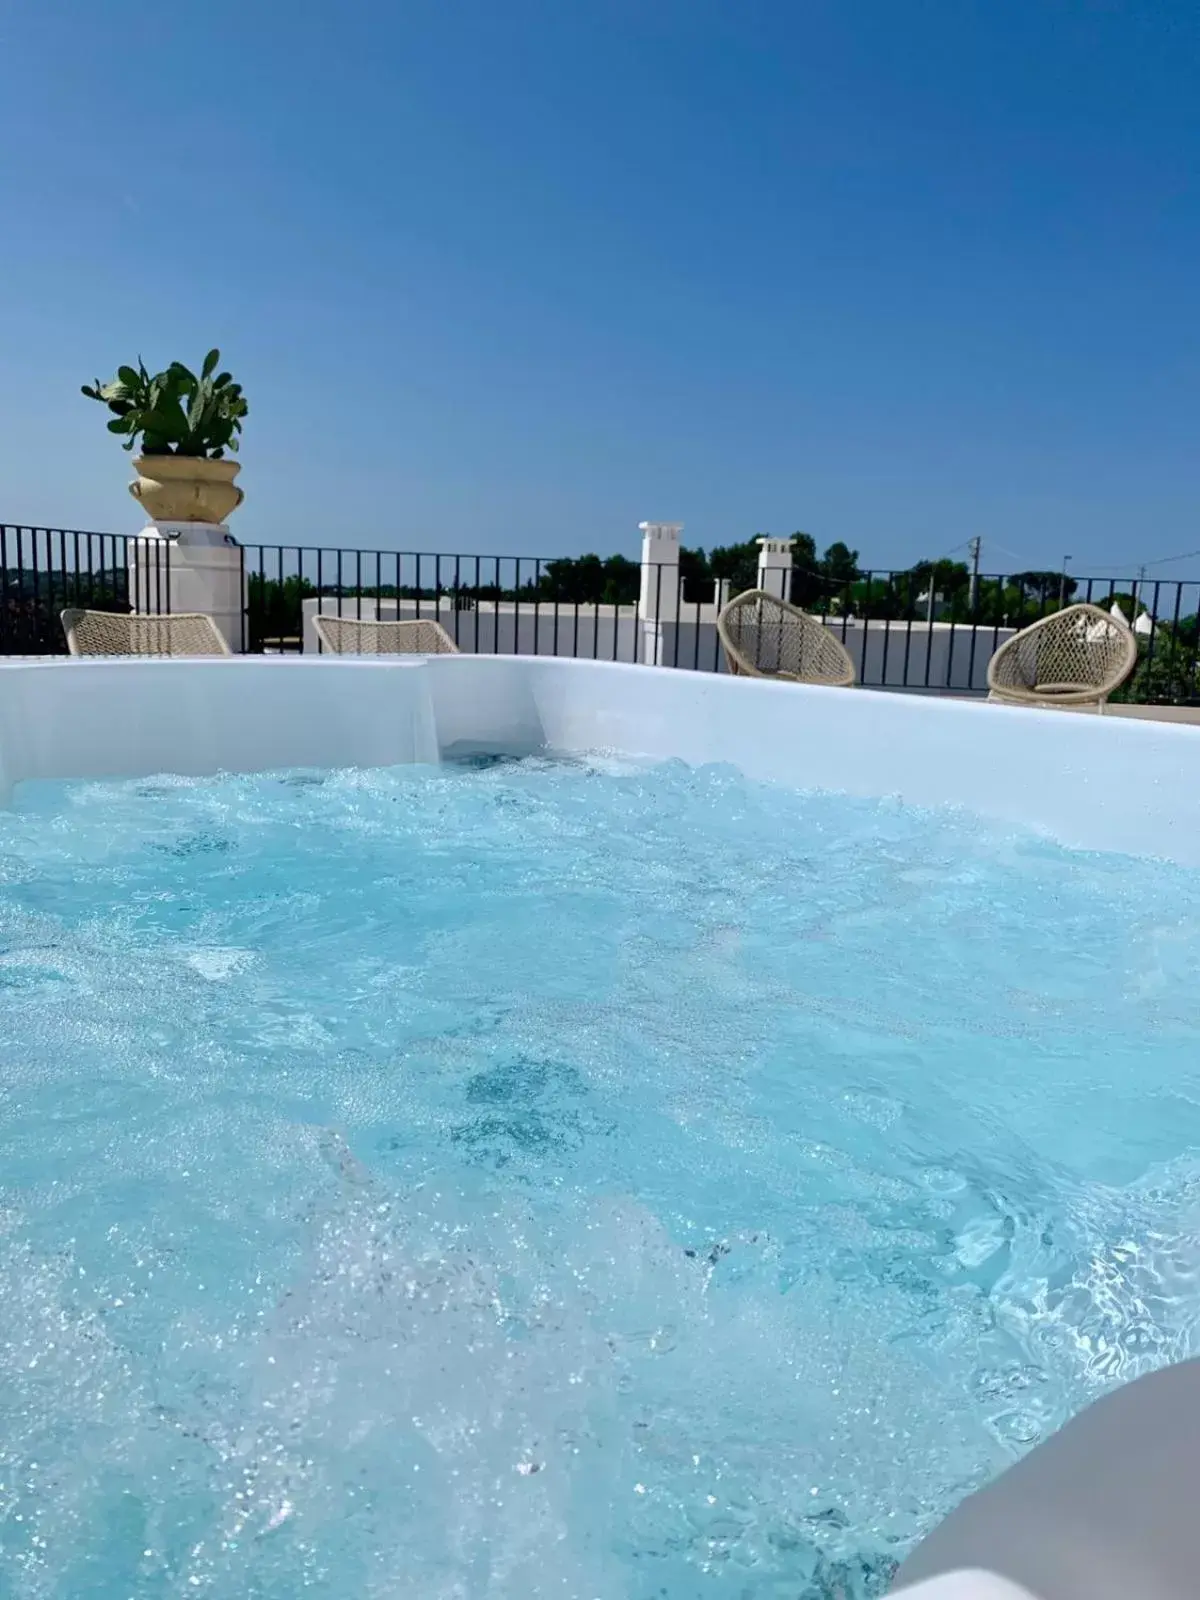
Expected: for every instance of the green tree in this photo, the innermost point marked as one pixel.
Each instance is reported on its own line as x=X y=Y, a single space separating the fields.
x=1167 y=670
x=1044 y=586
x=695 y=576
x=839 y=564
x=737 y=564
x=274 y=608
x=828 y=584
x=1106 y=599
x=589 y=580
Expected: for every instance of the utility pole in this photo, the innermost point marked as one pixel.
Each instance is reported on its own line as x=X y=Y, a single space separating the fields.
x=974 y=546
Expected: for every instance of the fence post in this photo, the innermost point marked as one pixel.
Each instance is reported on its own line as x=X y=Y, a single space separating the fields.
x=775 y=567
x=658 y=599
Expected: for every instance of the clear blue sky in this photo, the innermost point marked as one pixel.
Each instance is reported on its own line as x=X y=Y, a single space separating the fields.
x=514 y=274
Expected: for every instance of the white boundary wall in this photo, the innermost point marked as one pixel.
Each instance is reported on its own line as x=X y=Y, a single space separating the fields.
x=917 y=655
x=596 y=633
x=1100 y=783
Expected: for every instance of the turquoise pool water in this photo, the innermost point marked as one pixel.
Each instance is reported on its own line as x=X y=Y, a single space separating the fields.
x=532 y=1179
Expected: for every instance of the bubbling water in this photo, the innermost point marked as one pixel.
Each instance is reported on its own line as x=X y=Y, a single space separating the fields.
x=567 y=1180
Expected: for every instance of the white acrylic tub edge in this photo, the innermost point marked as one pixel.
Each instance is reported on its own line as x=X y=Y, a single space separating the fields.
x=970 y=1584
x=1090 y=782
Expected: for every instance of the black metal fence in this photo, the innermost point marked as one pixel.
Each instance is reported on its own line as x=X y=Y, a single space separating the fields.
x=46 y=570
x=929 y=628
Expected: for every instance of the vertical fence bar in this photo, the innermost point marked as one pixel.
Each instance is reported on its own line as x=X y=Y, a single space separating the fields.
x=887 y=633
x=950 y=653
x=1195 y=661
x=974 y=634
x=37 y=593
x=1000 y=619
x=64 y=591
x=134 y=565
x=908 y=627
x=865 y=621
x=1137 y=600
x=1178 y=686
x=5 y=610
x=860 y=615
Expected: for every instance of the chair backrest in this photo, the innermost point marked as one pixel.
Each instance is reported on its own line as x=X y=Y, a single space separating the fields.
x=1077 y=655
x=129 y=633
x=766 y=637
x=354 y=636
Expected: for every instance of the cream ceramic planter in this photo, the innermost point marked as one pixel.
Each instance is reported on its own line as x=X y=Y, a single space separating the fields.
x=186 y=488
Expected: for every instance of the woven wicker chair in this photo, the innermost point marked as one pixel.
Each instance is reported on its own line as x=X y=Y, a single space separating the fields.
x=765 y=637
x=354 y=636
x=128 y=633
x=1073 y=657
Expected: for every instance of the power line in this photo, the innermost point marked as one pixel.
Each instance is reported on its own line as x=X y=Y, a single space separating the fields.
x=1004 y=550
x=1165 y=561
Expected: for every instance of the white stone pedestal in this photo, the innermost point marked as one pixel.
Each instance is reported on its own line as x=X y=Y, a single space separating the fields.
x=190 y=566
x=658 y=601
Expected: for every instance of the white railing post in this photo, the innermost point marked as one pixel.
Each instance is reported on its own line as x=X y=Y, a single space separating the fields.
x=658 y=600
x=775 y=567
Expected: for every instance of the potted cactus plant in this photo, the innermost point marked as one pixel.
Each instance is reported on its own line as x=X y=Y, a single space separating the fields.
x=184 y=425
